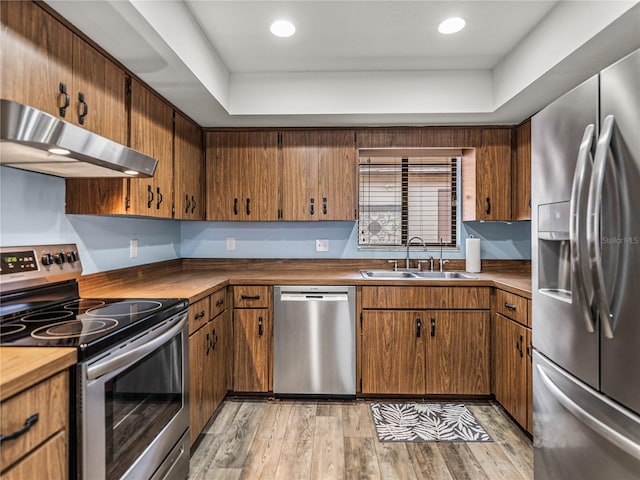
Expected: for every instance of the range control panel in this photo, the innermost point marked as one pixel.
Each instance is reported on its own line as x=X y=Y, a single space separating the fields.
x=26 y=266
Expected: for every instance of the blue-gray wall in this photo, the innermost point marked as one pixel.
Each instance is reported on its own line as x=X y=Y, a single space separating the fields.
x=32 y=212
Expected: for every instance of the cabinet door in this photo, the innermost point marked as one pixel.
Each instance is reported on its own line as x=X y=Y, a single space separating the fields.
x=243 y=176
x=102 y=85
x=219 y=335
x=152 y=134
x=521 y=174
x=198 y=368
x=36 y=55
x=529 y=362
x=493 y=176
x=393 y=352
x=189 y=167
x=252 y=337
x=511 y=367
x=318 y=175
x=457 y=352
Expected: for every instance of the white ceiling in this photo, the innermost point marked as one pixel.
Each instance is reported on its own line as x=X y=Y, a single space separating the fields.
x=359 y=62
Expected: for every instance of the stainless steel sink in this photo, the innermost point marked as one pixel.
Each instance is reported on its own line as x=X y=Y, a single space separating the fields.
x=386 y=274
x=444 y=275
x=396 y=275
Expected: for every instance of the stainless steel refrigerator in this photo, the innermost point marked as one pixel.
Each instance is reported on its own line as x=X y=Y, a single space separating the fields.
x=586 y=279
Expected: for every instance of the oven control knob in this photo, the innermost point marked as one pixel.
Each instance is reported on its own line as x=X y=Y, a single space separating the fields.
x=72 y=257
x=60 y=258
x=47 y=259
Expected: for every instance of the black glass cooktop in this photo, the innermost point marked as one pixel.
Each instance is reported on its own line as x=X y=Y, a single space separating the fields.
x=89 y=324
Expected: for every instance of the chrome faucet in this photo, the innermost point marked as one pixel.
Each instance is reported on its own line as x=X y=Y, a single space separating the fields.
x=424 y=245
x=442 y=262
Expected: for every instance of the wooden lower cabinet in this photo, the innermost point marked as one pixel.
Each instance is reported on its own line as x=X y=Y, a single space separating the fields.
x=512 y=369
x=209 y=356
x=252 y=336
x=425 y=352
x=41 y=452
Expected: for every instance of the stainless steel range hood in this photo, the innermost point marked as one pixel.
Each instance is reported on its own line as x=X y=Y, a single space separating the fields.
x=34 y=140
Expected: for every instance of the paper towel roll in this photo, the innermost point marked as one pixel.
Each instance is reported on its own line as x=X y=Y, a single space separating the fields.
x=473 y=255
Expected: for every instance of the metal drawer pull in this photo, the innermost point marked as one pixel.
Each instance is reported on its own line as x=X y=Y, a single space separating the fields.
x=220 y=302
x=85 y=108
x=186 y=197
x=260 y=329
x=510 y=307
x=28 y=423
x=199 y=315
x=150 y=198
x=433 y=327
x=250 y=297
x=418 y=327
x=65 y=95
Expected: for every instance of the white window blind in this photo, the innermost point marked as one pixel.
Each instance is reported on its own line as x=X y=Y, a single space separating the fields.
x=402 y=196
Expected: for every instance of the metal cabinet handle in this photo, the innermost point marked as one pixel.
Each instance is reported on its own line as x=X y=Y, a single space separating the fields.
x=160 y=198
x=519 y=345
x=248 y=208
x=324 y=205
x=260 y=328
x=199 y=315
x=235 y=206
x=488 y=209
x=250 y=297
x=28 y=423
x=312 y=210
x=188 y=202
x=150 y=198
x=85 y=109
x=193 y=204
x=418 y=328
x=220 y=302
x=67 y=100
x=208 y=343
x=510 y=306
x=433 y=327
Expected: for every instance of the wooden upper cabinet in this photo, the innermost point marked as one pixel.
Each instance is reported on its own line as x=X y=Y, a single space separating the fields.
x=189 y=169
x=318 y=175
x=152 y=134
x=37 y=55
x=242 y=175
x=98 y=93
x=486 y=177
x=418 y=137
x=521 y=173
x=41 y=56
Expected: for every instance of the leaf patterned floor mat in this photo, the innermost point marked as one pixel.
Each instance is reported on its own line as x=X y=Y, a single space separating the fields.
x=426 y=422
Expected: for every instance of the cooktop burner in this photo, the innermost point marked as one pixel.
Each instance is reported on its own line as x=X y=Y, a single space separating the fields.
x=74 y=328
x=89 y=324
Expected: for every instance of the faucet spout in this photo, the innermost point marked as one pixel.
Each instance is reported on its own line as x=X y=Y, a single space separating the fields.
x=424 y=245
x=442 y=262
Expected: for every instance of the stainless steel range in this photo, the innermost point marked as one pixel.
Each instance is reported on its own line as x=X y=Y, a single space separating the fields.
x=130 y=396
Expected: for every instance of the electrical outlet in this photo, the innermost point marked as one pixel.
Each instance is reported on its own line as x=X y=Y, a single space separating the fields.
x=322 y=245
x=133 y=248
x=231 y=243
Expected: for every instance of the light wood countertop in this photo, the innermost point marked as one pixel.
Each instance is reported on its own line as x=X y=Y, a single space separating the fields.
x=22 y=367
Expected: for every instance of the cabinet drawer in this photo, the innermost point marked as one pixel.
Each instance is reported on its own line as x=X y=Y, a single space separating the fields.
x=426 y=297
x=218 y=302
x=512 y=306
x=198 y=314
x=47 y=461
x=50 y=400
x=251 y=296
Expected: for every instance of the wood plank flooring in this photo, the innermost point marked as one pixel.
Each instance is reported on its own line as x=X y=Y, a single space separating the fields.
x=287 y=439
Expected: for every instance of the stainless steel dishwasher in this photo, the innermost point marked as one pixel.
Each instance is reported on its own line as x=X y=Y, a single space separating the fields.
x=314 y=340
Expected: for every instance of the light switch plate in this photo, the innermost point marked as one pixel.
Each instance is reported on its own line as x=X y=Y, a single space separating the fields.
x=322 y=245
x=133 y=248
x=231 y=243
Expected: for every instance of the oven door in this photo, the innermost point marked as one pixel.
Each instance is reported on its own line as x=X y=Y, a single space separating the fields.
x=133 y=410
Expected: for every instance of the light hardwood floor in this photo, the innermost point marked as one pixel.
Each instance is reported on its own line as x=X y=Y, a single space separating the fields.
x=286 y=439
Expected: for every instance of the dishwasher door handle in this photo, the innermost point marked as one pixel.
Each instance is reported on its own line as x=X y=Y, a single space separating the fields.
x=320 y=297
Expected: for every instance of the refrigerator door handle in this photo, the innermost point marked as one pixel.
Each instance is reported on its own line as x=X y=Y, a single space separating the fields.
x=594 y=208
x=580 y=180
x=624 y=443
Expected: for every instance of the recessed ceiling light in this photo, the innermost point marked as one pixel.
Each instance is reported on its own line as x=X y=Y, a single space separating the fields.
x=282 y=28
x=451 y=25
x=59 y=151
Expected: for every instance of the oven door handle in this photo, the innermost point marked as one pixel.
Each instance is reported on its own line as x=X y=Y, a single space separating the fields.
x=109 y=365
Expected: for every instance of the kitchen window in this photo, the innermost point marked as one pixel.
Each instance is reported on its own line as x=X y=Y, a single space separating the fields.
x=407 y=193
